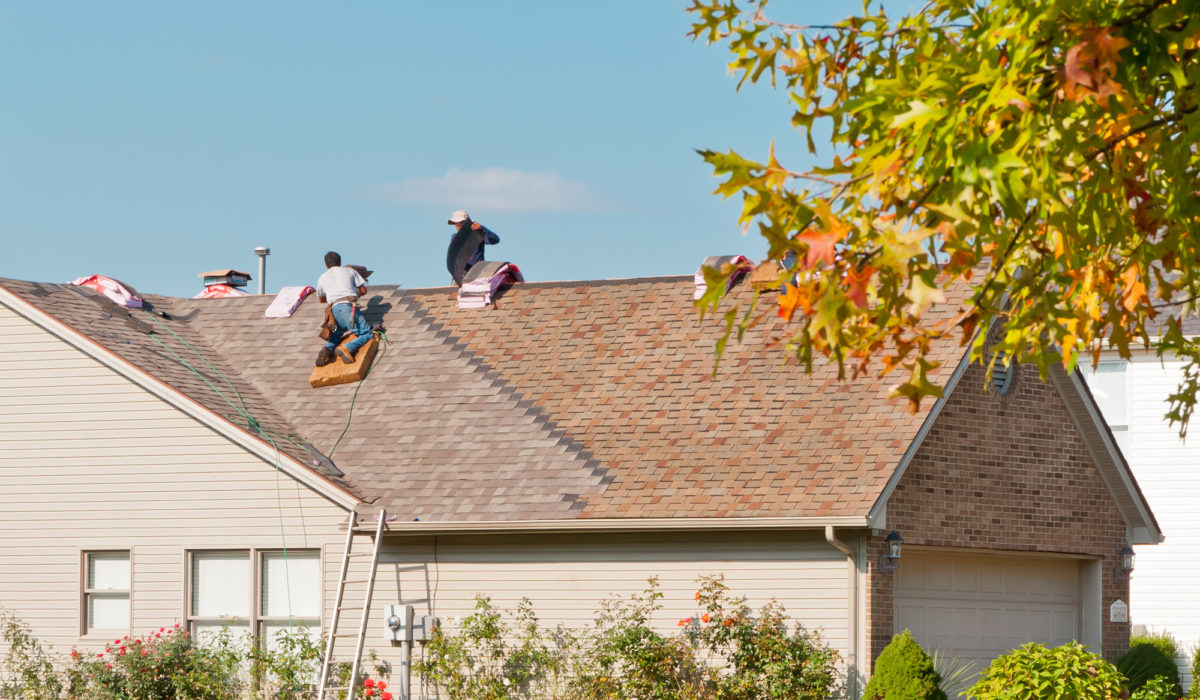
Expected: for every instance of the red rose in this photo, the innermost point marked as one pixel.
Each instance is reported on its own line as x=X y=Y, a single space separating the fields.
x=368 y=683
x=385 y=696
x=382 y=685
x=368 y=693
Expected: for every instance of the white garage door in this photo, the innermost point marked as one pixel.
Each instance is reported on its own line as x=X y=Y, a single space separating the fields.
x=975 y=608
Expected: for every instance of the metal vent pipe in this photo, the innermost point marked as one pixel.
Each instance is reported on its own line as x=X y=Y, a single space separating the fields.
x=262 y=252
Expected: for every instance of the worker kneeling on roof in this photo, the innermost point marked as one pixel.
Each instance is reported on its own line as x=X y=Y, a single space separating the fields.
x=341 y=287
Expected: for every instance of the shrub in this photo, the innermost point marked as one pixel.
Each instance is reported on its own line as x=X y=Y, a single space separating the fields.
x=28 y=668
x=164 y=665
x=1151 y=656
x=1195 y=691
x=629 y=658
x=764 y=657
x=1156 y=688
x=904 y=671
x=1033 y=671
x=486 y=659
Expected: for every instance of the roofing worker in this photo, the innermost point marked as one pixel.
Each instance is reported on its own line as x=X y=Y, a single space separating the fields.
x=466 y=244
x=341 y=287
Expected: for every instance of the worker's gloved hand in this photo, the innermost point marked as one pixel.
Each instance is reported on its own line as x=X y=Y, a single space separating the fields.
x=475 y=225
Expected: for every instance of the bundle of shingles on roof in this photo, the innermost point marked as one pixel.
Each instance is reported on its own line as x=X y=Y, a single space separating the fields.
x=484 y=281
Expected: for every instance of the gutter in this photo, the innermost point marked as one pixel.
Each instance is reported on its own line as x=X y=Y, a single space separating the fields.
x=478 y=527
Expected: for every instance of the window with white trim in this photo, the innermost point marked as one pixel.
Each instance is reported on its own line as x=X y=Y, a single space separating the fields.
x=106 y=589
x=1109 y=383
x=222 y=593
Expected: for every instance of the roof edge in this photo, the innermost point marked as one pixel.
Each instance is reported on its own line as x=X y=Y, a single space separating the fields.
x=1111 y=464
x=175 y=398
x=470 y=527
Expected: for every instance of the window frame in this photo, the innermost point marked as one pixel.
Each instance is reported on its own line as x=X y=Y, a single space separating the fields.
x=256 y=621
x=86 y=593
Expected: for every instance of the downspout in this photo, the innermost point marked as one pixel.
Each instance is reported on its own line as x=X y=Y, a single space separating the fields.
x=852 y=663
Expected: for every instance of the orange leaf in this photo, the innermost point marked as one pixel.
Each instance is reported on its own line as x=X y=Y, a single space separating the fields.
x=789 y=301
x=856 y=285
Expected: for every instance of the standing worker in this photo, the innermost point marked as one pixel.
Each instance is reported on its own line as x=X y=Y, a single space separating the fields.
x=341 y=287
x=466 y=244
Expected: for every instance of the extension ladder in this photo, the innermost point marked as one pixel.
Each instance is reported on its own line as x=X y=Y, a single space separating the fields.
x=328 y=665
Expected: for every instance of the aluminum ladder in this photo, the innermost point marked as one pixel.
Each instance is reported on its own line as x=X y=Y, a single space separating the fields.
x=324 y=690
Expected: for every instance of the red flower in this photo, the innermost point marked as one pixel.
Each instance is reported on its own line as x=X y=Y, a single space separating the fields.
x=74 y=653
x=686 y=621
x=368 y=693
x=385 y=696
x=162 y=629
x=697 y=595
x=116 y=641
x=143 y=652
x=704 y=617
x=107 y=665
x=382 y=685
x=368 y=683
x=122 y=651
x=100 y=655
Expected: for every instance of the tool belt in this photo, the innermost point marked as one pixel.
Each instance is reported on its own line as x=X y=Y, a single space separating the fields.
x=329 y=325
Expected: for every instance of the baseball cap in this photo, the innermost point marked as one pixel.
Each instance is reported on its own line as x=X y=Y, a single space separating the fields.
x=459 y=216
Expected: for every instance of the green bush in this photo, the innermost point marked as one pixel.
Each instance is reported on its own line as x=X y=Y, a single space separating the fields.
x=904 y=671
x=724 y=652
x=763 y=655
x=1151 y=656
x=1157 y=688
x=1033 y=671
x=164 y=665
x=28 y=668
x=1195 y=691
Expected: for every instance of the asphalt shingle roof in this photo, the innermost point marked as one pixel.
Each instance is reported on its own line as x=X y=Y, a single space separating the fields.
x=565 y=400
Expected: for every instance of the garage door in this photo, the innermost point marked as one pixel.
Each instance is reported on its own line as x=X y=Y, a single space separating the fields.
x=976 y=607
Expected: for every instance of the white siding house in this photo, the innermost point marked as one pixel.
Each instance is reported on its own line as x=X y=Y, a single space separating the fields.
x=1165 y=586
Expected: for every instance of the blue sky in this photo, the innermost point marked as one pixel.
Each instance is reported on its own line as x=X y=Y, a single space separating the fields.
x=150 y=141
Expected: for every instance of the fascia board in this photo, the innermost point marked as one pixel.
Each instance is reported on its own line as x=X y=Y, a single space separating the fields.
x=174 y=397
x=1146 y=531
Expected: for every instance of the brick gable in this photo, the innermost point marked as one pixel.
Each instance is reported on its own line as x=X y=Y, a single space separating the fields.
x=1004 y=473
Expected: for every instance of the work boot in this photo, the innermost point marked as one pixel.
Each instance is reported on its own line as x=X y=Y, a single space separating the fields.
x=343 y=353
x=324 y=357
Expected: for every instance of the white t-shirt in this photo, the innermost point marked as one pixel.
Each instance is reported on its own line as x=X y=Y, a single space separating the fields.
x=339 y=283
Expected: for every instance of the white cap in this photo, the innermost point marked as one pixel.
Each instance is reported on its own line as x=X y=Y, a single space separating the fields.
x=459 y=216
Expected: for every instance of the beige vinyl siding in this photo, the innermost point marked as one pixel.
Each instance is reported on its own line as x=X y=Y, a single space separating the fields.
x=566 y=576
x=91 y=461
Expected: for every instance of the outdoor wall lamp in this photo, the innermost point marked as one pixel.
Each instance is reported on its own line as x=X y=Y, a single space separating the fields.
x=890 y=560
x=1124 y=565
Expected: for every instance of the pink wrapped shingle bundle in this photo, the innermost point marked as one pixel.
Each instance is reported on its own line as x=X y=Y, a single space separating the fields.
x=218 y=291
x=287 y=301
x=110 y=288
x=482 y=282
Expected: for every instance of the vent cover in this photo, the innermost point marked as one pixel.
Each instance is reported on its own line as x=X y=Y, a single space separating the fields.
x=1002 y=372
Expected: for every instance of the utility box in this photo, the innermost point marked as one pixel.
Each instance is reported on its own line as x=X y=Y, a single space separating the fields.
x=398 y=623
x=423 y=632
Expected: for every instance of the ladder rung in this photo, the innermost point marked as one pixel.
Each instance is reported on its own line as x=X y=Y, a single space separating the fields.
x=361 y=554
x=357 y=580
x=342 y=635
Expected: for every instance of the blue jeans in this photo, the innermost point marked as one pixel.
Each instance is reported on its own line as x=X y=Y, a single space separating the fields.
x=349 y=318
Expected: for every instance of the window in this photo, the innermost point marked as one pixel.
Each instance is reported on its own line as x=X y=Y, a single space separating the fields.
x=222 y=593
x=1108 y=382
x=106 y=592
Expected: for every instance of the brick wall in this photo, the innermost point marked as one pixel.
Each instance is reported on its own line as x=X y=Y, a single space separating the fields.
x=1003 y=473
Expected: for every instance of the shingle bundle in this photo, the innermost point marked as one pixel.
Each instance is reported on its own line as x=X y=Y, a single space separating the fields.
x=483 y=280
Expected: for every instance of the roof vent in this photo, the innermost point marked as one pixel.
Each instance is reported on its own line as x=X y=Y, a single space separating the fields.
x=1003 y=372
x=484 y=280
x=736 y=265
